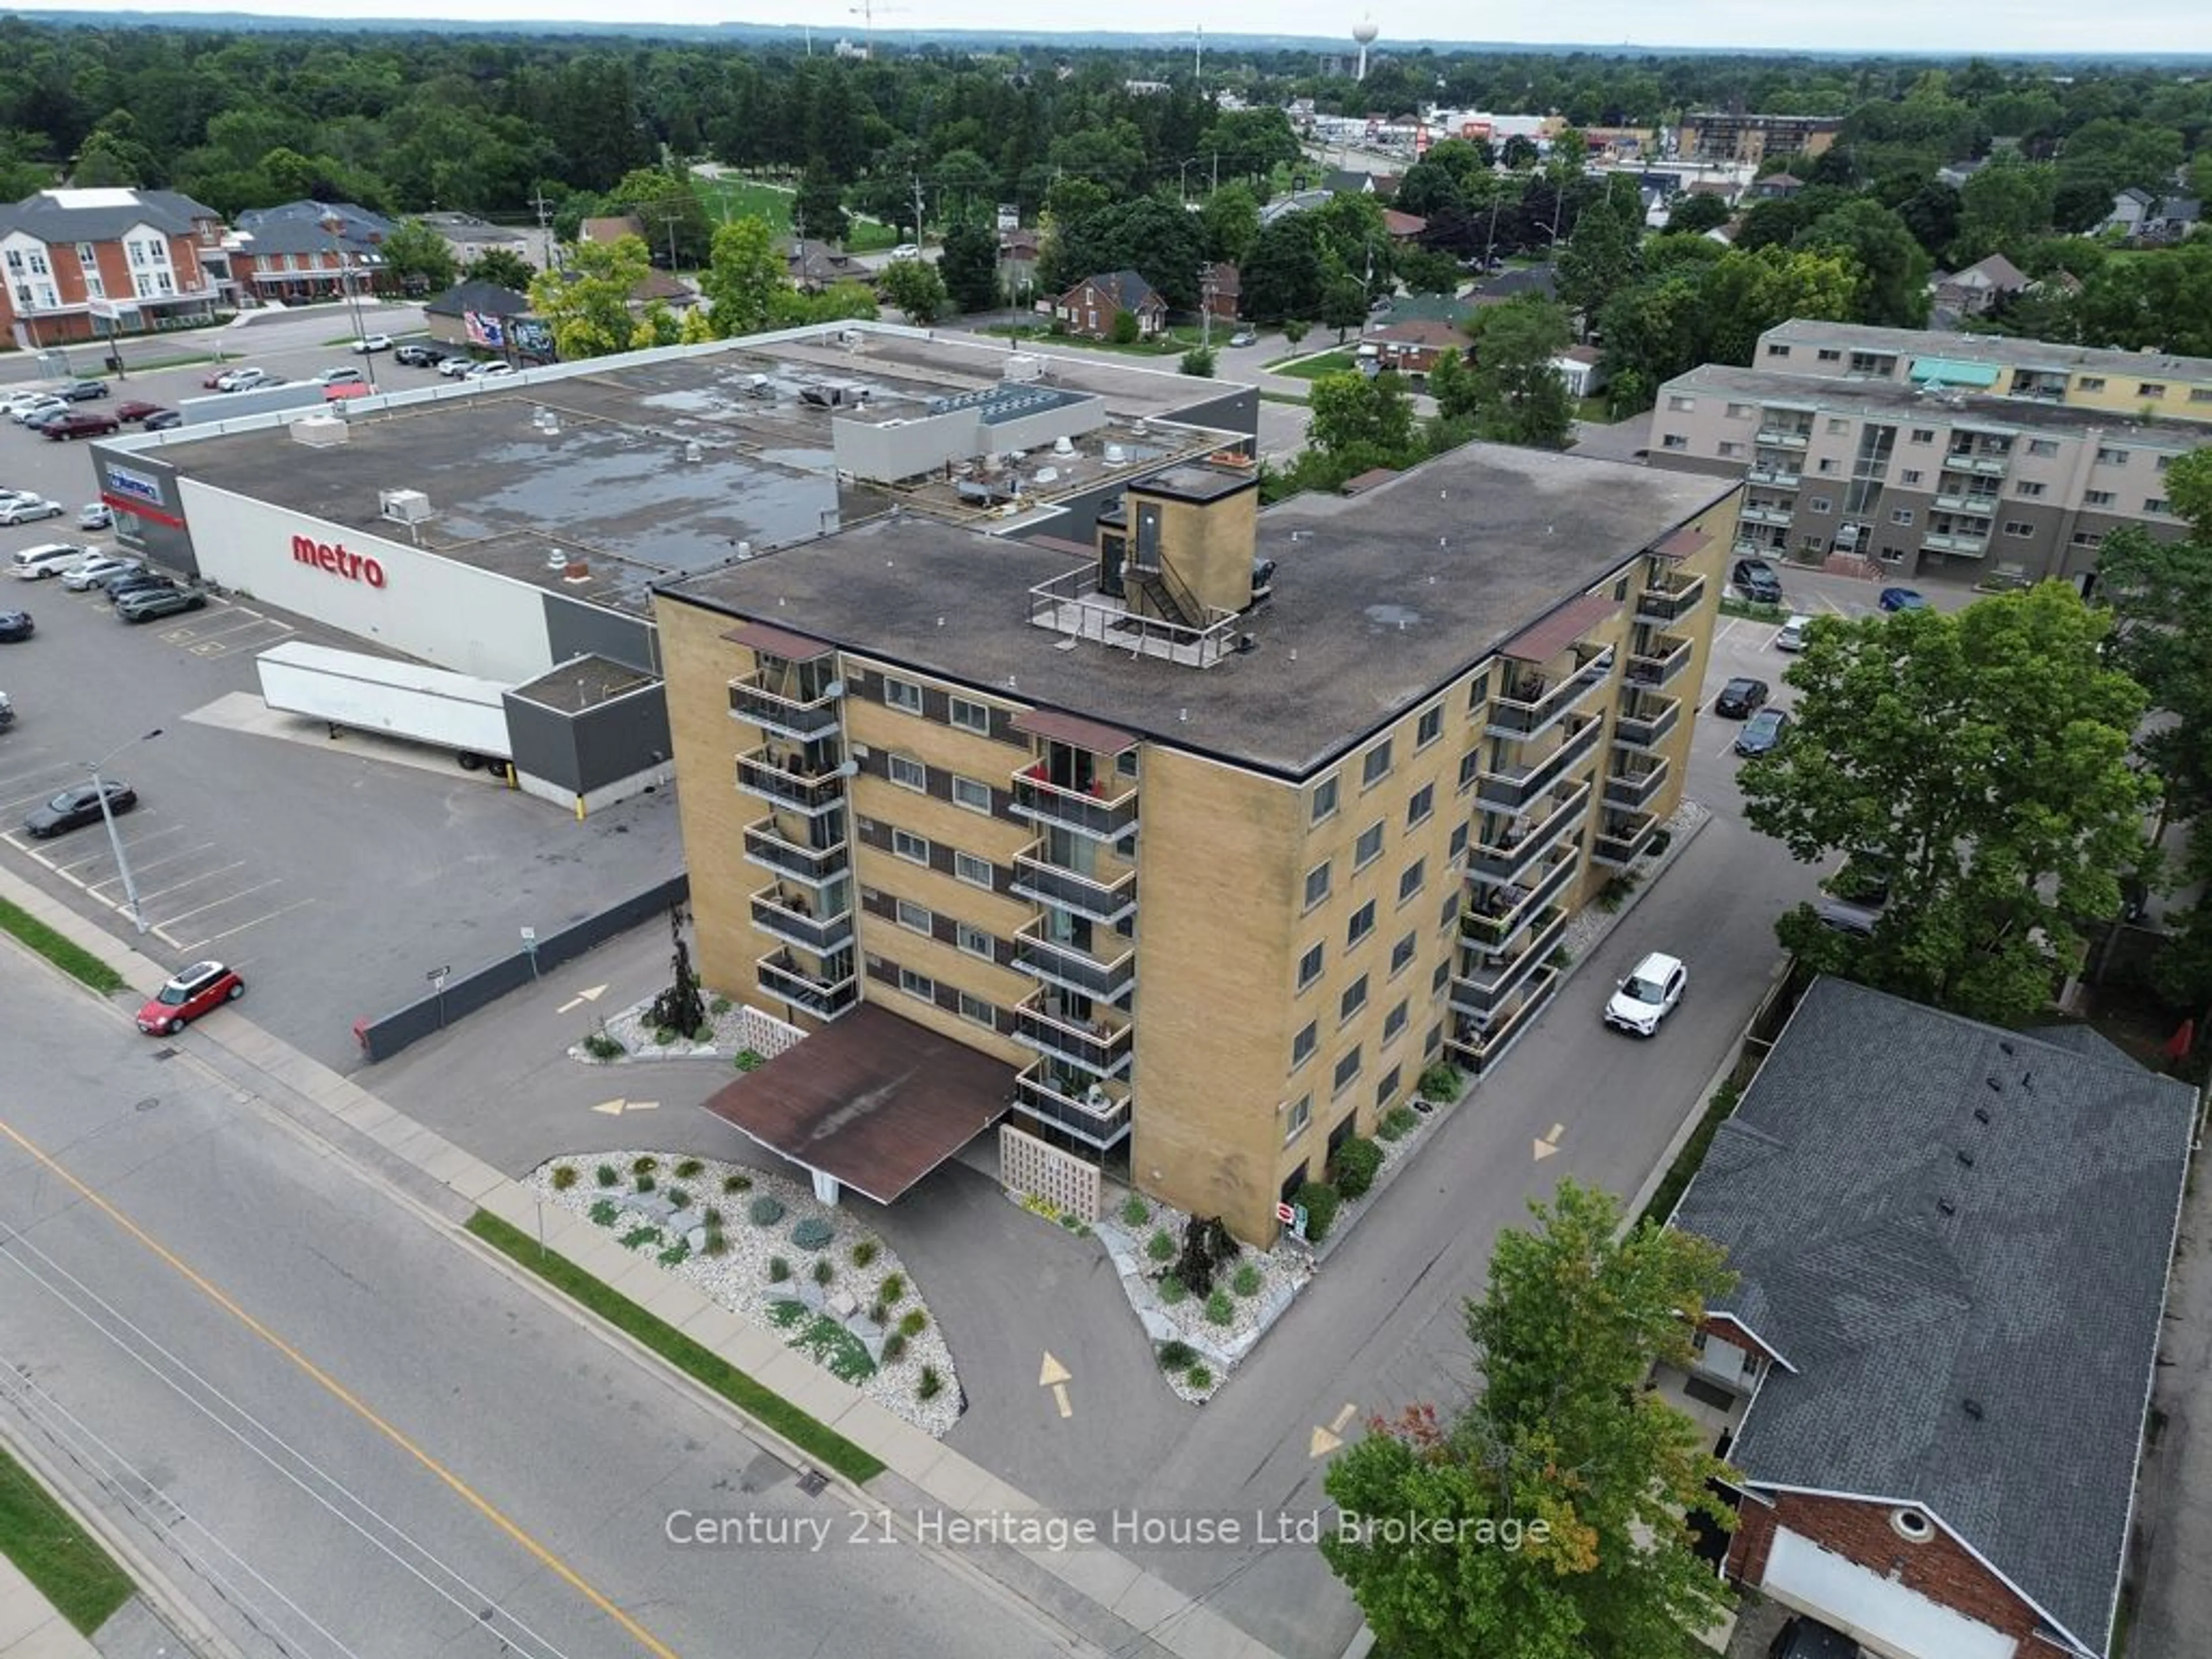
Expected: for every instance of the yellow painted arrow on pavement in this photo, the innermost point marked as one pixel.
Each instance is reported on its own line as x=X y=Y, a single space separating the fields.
x=1325 y=1441
x=1550 y=1143
x=617 y=1107
x=591 y=995
x=1055 y=1377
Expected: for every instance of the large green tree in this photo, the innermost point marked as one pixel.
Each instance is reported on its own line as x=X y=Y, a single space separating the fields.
x=1519 y=397
x=1557 y=1501
x=668 y=206
x=747 y=282
x=818 y=211
x=419 y=258
x=1980 y=758
x=969 y=263
x=588 y=306
x=1370 y=415
x=915 y=287
x=501 y=267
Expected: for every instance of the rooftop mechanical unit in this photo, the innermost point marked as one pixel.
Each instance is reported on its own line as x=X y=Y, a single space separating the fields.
x=403 y=506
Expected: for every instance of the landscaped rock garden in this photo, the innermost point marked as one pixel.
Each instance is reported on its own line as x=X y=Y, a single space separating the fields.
x=765 y=1248
x=631 y=1035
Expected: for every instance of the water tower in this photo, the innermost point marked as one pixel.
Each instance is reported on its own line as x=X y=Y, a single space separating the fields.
x=1364 y=33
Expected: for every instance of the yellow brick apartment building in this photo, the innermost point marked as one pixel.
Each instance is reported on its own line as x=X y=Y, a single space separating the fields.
x=1216 y=837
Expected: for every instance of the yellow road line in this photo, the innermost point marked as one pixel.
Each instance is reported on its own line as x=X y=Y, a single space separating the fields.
x=644 y=1637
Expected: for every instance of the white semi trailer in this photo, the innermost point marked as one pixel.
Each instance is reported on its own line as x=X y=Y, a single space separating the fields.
x=399 y=699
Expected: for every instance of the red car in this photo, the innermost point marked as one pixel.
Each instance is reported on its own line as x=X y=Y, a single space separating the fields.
x=131 y=409
x=63 y=428
x=208 y=384
x=188 y=996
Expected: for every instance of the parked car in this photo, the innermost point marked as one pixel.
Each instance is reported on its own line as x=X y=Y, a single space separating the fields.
x=94 y=570
x=1244 y=336
x=1763 y=732
x=44 y=559
x=341 y=377
x=417 y=355
x=455 y=366
x=133 y=409
x=132 y=581
x=203 y=986
x=1647 y=994
x=46 y=414
x=84 y=392
x=1861 y=881
x=15 y=627
x=1809 y=1639
x=163 y=419
x=906 y=250
x=30 y=408
x=213 y=379
x=368 y=342
x=29 y=509
x=1740 y=698
x=75 y=808
x=241 y=379
x=144 y=604
x=95 y=515
x=80 y=423
x=1792 y=636
x=1844 y=917
x=1757 y=581
x=7 y=712
x=1901 y=599
x=11 y=402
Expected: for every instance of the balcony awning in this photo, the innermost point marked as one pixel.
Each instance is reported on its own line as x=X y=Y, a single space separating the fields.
x=777 y=642
x=873 y=1101
x=1951 y=371
x=1561 y=629
x=1098 y=738
x=1683 y=543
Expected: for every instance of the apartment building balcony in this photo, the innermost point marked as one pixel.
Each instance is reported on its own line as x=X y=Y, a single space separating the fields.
x=1558 y=815
x=1539 y=702
x=797 y=919
x=1950 y=542
x=1776 y=474
x=1623 y=837
x=1644 y=720
x=1667 y=657
x=1990 y=464
x=1104 y=1042
x=1478 y=1049
x=781 y=977
x=784 y=780
x=1636 y=780
x=1511 y=787
x=1666 y=601
x=1486 y=983
x=1760 y=513
x=1094 y=1110
x=1785 y=437
x=1108 y=978
x=1041 y=881
x=804 y=721
x=1498 y=912
x=1980 y=503
x=1761 y=547
x=769 y=847
x=1099 y=811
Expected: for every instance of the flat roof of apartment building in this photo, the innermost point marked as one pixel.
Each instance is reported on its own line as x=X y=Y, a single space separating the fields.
x=1775 y=388
x=2002 y=349
x=1378 y=601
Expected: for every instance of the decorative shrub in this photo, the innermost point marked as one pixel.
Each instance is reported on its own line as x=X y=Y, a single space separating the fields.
x=892 y=1290
x=913 y=1323
x=1398 y=1122
x=719 y=1007
x=931 y=1385
x=894 y=1348
x=606 y=1175
x=824 y=1271
x=599 y=1045
x=1200 y=1378
x=1219 y=1310
x=637 y=1237
x=716 y=1242
x=676 y=1254
x=1320 y=1201
x=1172 y=1290
x=644 y=1165
x=812 y=1233
x=605 y=1214
x=784 y=1315
x=1206 y=1246
x=1135 y=1212
x=878 y=1314
x=1247 y=1281
x=1160 y=1246
x=710 y=1217
x=1440 y=1083
x=765 y=1212
x=702 y=1035
x=680 y=1197
x=778 y=1270
x=864 y=1252
x=737 y=1183
x=663 y=1036
x=1177 y=1355
x=564 y=1176
x=747 y=1060
x=1356 y=1163
x=645 y=1183
x=688 y=1169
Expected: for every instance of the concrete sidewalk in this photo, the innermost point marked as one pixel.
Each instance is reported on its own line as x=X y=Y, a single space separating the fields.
x=29 y=1626
x=926 y=1473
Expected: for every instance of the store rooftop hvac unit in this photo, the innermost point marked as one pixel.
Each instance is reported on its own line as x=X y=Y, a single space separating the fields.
x=1021 y=367
x=403 y=506
x=320 y=431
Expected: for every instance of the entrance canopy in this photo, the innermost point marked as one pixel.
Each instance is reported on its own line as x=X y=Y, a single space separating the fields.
x=871 y=1101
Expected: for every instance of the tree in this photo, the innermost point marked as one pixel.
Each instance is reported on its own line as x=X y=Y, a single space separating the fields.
x=501 y=268
x=1563 y=1492
x=1893 y=268
x=1282 y=278
x=1371 y=414
x=1979 y=758
x=1343 y=305
x=1602 y=257
x=969 y=266
x=675 y=219
x=818 y=210
x=1452 y=383
x=1698 y=214
x=587 y=305
x=915 y=287
x=1199 y=360
x=747 y=283
x=1231 y=219
x=2004 y=205
x=967 y=188
x=419 y=259
x=1519 y=397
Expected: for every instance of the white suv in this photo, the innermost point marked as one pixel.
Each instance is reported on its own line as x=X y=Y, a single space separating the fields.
x=47 y=559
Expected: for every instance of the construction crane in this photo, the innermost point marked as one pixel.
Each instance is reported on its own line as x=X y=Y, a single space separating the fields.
x=866 y=12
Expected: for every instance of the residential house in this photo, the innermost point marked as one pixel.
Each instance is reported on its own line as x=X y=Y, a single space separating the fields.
x=305 y=252
x=1541 y=281
x=84 y=263
x=1955 y=173
x=1970 y=292
x=658 y=286
x=1775 y=187
x=1090 y=307
x=2172 y=219
x=612 y=229
x=814 y=265
x=1297 y=202
x=469 y=314
x=1403 y=229
x=1411 y=346
x=1358 y=181
x=1933 y=1374
x=1580 y=369
x=471 y=238
x=1223 y=294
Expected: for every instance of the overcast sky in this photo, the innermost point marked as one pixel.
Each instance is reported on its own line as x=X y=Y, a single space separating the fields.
x=1869 y=25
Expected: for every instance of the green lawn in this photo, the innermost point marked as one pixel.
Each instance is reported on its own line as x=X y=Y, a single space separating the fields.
x=51 y=1550
x=72 y=959
x=1312 y=369
x=1171 y=344
x=741 y=198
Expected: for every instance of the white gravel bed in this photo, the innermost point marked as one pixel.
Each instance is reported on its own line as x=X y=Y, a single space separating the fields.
x=631 y=1028
x=1591 y=924
x=739 y=1279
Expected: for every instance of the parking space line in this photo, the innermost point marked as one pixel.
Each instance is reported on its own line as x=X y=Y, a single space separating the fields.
x=98 y=848
x=217 y=939
x=145 y=898
x=140 y=868
x=186 y=915
x=202 y=631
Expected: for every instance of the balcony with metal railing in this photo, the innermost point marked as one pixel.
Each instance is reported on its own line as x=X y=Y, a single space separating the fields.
x=1110 y=978
x=1623 y=836
x=1098 y=895
x=1776 y=474
x=1661 y=661
x=1510 y=787
x=1951 y=542
x=1981 y=505
x=782 y=781
x=1991 y=462
x=1487 y=980
x=796 y=919
x=1106 y=811
x=769 y=847
x=1102 y=1041
x=756 y=697
x=1635 y=780
x=1479 y=1047
x=1644 y=720
x=1668 y=601
x=1496 y=912
x=1094 y=1110
x=1786 y=437
x=1557 y=815
x=1534 y=704
x=819 y=994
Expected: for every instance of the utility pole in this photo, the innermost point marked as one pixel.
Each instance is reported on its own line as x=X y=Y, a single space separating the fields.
x=917 y=209
x=1206 y=306
x=670 y=219
x=545 y=226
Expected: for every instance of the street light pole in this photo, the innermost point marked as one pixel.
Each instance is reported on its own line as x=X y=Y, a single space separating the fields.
x=333 y=224
x=107 y=818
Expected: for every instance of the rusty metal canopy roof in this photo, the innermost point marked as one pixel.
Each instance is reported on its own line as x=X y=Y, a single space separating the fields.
x=873 y=1100
x=1561 y=629
x=1683 y=543
x=777 y=641
x=1093 y=735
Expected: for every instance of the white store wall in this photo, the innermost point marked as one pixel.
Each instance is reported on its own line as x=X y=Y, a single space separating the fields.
x=446 y=613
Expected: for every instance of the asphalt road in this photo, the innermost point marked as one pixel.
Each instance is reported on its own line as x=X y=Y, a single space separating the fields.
x=341 y=1431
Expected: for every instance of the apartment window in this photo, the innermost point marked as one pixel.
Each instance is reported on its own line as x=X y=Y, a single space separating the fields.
x=1368 y=847
x=2043 y=449
x=2026 y=490
x=1817 y=503
x=1825 y=468
x=1621 y=590
x=1910 y=475
x=1361 y=925
x=1393 y=1023
x=2199 y=394
x=1310 y=965
x=902 y=694
x=917 y=985
x=1377 y=766
x=1777 y=351
x=1729 y=447
x=1411 y=879
x=1900 y=515
x=1317 y=883
x=1448 y=914
x=87 y=256
x=2019 y=527
x=913 y=917
x=1829 y=355
x=1346 y=1069
x=1402 y=955
x=2093 y=383
x=2151 y=389
x=2096 y=498
x=2110 y=457
x=2154 y=504
x=1354 y=1000
x=1469 y=764
x=906 y=845
x=1430 y=727
x=1422 y=803
x=1478 y=692
x=1673 y=441
x=971 y=716
x=1295 y=1120
x=1458 y=839
x=2088 y=538
x=1440 y=978
x=1838 y=426
x=975 y=941
x=975 y=872
x=980 y=1011
x=971 y=794
x=1682 y=405
x=907 y=772
x=1812 y=544
x=1741 y=411
x=2164 y=462
x=1324 y=799
x=1302 y=1045
x=1923 y=434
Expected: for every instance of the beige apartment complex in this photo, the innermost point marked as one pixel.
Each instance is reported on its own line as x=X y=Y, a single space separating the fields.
x=1214 y=833
x=1753 y=140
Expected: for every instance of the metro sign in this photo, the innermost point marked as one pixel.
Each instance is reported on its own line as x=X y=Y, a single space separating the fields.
x=333 y=557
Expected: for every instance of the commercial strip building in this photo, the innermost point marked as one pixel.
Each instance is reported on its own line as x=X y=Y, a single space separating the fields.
x=1210 y=829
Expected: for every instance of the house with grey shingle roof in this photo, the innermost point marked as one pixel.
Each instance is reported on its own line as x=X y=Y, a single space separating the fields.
x=74 y=263
x=306 y=250
x=1090 y=307
x=1934 y=1373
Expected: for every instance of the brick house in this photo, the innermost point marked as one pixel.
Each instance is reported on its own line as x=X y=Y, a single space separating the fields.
x=1412 y=345
x=1933 y=1375
x=1223 y=295
x=611 y=228
x=83 y=262
x=306 y=250
x=1090 y=307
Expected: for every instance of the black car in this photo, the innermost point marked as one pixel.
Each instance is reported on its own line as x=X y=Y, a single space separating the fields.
x=75 y=808
x=418 y=356
x=1809 y=1639
x=1755 y=579
x=15 y=625
x=1763 y=732
x=84 y=392
x=163 y=419
x=134 y=581
x=1740 y=698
